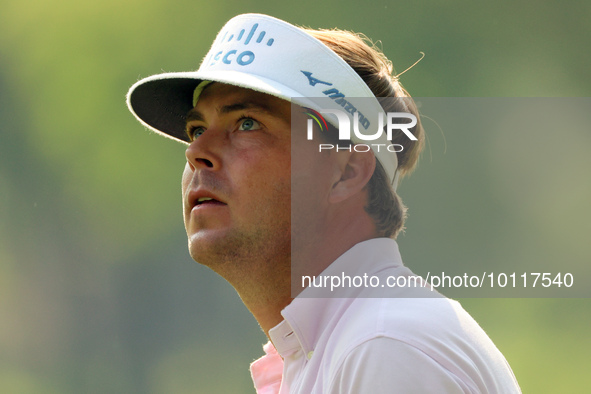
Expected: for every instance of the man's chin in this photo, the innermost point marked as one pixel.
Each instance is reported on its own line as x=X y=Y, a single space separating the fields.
x=207 y=246
x=216 y=248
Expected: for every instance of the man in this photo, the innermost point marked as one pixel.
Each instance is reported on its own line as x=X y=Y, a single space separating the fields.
x=290 y=180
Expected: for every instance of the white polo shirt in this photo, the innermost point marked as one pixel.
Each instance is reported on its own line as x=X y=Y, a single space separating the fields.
x=405 y=341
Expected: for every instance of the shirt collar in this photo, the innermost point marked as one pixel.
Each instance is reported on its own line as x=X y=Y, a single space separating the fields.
x=312 y=311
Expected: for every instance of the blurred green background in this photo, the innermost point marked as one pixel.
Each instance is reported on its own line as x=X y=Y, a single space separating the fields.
x=97 y=291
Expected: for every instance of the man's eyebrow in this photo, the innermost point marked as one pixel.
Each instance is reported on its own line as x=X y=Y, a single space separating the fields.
x=259 y=107
x=194 y=114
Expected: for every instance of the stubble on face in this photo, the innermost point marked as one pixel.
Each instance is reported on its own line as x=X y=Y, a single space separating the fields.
x=242 y=247
x=254 y=179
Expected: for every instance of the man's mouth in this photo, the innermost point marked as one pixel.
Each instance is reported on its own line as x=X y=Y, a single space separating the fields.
x=203 y=201
x=201 y=198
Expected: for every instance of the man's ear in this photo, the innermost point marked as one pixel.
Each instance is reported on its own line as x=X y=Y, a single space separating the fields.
x=356 y=168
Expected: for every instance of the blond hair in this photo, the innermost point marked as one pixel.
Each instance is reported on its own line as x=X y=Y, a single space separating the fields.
x=370 y=63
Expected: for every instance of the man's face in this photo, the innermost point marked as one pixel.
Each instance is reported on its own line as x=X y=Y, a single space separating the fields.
x=236 y=183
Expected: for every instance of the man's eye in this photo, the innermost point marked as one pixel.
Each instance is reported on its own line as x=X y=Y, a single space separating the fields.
x=249 y=124
x=196 y=132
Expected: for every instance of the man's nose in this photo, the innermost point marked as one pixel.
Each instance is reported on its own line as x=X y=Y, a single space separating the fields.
x=204 y=151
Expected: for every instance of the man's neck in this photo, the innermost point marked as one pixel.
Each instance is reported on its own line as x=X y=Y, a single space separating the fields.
x=266 y=289
x=266 y=307
x=313 y=254
x=263 y=288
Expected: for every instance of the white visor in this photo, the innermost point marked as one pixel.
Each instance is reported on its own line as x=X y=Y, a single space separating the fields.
x=267 y=55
